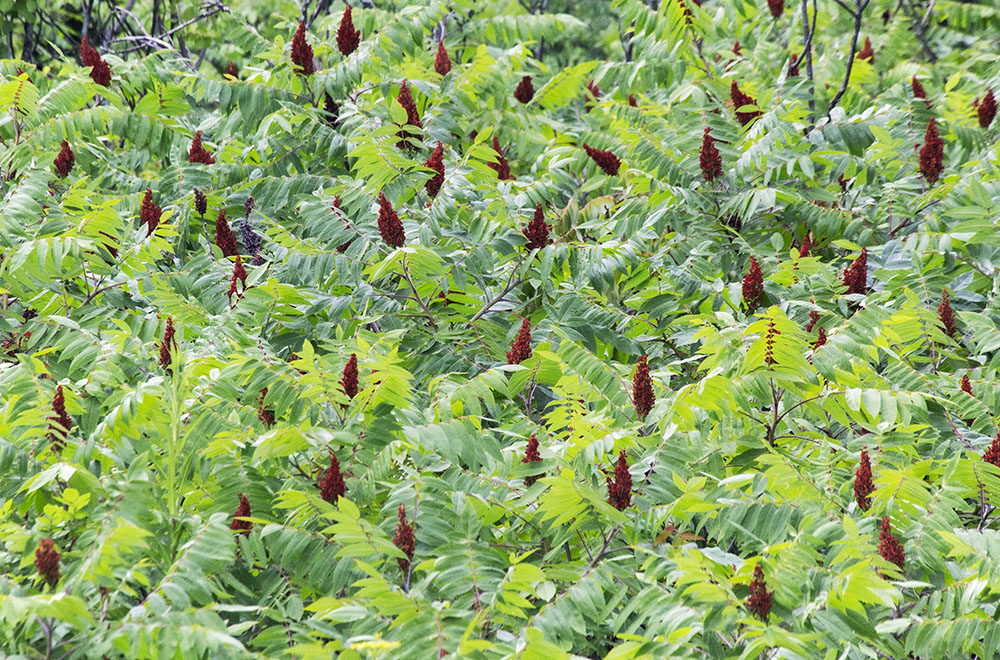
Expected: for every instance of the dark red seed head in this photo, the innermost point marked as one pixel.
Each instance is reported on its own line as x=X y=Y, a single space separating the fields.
x=820 y=338
x=537 y=231
x=520 y=349
x=867 y=52
x=606 y=160
x=863 y=486
x=265 y=415
x=620 y=484
x=436 y=163
x=642 y=388
x=60 y=423
x=331 y=486
x=932 y=153
x=992 y=454
x=966 y=385
x=64 y=160
x=632 y=102
x=47 y=562
x=149 y=213
x=889 y=548
x=592 y=95
x=302 y=52
x=709 y=158
x=225 y=239
x=947 y=316
x=753 y=286
x=502 y=167
x=168 y=344
x=777 y=7
x=200 y=202
x=759 y=600
x=855 y=276
x=531 y=455
x=100 y=72
x=232 y=72
x=349 y=377
x=242 y=527
x=239 y=276
x=347 y=37
x=389 y=224
x=197 y=153
x=740 y=99
x=404 y=540
x=442 y=63
x=525 y=90
x=987 y=109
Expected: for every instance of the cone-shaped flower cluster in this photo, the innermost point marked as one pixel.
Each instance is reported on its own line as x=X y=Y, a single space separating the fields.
x=867 y=52
x=813 y=320
x=632 y=101
x=806 y=246
x=100 y=72
x=855 y=276
x=992 y=454
x=331 y=110
x=537 y=231
x=149 y=213
x=531 y=455
x=336 y=206
x=239 y=275
x=502 y=167
x=349 y=377
x=889 y=548
x=620 y=484
x=753 y=285
x=64 y=160
x=347 y=37
x=197 y=153
x=331 y=486
x=759 y=600
x=520 y=349
x=405 y=99
x=442 y=63
x=525 y=91
x=47 y=562
x=709 y=158
x=389 y=224
x=606 y=160
x=168 y=344
x=232 y=72
x=242 y=511
x=966 y=385
x=863 y=486
x=302 y=52
x=777 y=7
x=946 y=315
x=404 y=540
x=931 y=154
x=987 y=109
x=793 y=65
x=918 y=90
x=225 y=239
x=592 y=95
x=59 y=423
x=820 y=338
x=436 y=163
x=265 y=415
x=200 y=202
x=741 y=99
x=642 y=388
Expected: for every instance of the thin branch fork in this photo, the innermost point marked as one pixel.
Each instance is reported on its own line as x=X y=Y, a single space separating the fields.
x=857 y=12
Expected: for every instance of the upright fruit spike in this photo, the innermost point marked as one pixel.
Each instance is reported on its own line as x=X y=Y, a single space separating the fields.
x=867 y=53
x=239 y=275
x=47 y=562
x=918 y=90
x=265 y=415
x=389 y=224
x=932 y=153
x=60 y=423
x=442 y=63
x=620 y=484
x=531 y=455
x=987 y=109
x=520 y=349
x=759 y=600
x=64 y=160
x=149 y=213
x=863 y=486
x=197 y=153
x=537 y=231
x=592 y=95
x=992 y=454
x=740 y=99
x=855 y=276
x=347 y=37
x=404 y=540
x=302 y=52
x=753 y=286
x=777 y=7
x=436 y=163
x=525 y=90
x=502 y=167
x=405 y=99
x=889 y=548
x=642 y=388
x=100 y=72
x=331 y=486
x=242 y=527
x=709 y=158
x=349 y=377
x=168 y=344
x=606 y=160
x=966 y=385
x=225 y=239
x=200 y=202
x=947 y=316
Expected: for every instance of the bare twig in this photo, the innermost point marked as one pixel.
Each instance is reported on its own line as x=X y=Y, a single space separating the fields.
x=857 y=13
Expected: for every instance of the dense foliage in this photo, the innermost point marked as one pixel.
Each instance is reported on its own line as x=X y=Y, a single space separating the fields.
x=459 y=329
